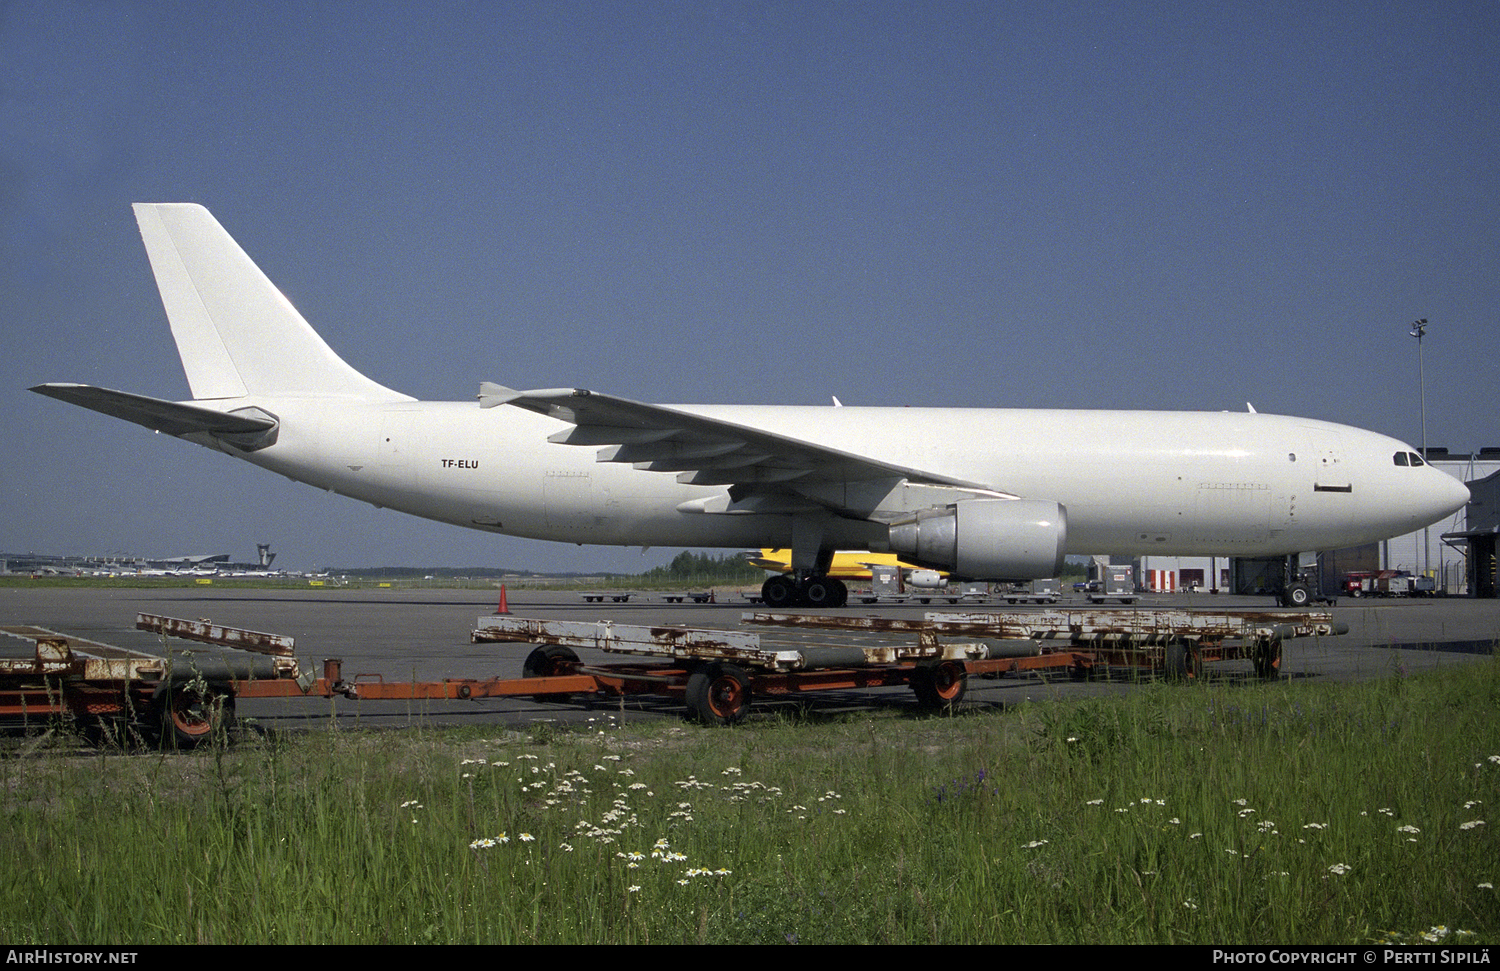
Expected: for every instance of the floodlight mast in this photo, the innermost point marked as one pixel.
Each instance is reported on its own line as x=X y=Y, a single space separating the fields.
x=1419 y=330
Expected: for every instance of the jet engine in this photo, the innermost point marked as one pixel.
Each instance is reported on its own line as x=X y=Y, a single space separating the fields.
x=927 y=580
x=986 y=539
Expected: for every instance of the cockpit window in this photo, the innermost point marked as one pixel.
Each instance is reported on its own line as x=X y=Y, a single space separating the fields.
x=1416 y=459
x=1401 y=458
x=1408 y=459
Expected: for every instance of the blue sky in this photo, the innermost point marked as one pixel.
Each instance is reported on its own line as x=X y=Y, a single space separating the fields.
x=1082 y=205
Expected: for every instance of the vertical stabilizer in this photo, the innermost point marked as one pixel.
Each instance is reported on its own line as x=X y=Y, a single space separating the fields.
x=237 y=335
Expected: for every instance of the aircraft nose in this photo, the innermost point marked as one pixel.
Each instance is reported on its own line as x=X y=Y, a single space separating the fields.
x=1458 y=495
x=1444 y=496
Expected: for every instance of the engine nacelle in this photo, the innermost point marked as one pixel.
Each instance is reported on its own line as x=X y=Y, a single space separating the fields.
x=986 y=539
x=926 y=580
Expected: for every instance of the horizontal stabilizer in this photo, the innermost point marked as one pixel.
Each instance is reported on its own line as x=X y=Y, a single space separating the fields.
x=248 y=429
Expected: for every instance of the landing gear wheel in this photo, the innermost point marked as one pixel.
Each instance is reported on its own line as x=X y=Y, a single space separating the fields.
x=825 y=592
x=779 y=591
x=1180 y=662
x=1296 y=595
x=940 y=686
x=1268 y=659
x=189 y=713
x=549 y=661
x=719 y=694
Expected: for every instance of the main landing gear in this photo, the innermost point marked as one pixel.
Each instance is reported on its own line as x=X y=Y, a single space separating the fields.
x=812 y=590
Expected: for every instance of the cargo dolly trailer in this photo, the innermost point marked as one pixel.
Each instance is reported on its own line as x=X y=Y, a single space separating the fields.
x=718 y=672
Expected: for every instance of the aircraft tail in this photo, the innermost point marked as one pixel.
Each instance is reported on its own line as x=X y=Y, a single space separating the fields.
x=237 y=335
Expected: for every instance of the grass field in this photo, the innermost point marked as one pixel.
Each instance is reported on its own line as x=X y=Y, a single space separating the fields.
x=1283 y=813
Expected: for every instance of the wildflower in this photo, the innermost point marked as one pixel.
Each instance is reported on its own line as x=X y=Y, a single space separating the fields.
x=1485 y=886
x=633 y=888
x=1407 y=829
x=1035 y=843
x=1094 y=802
x=1189 y=904
x=1471 y=824
x=1316 y=826
x=527 y=838
x=1339 y=869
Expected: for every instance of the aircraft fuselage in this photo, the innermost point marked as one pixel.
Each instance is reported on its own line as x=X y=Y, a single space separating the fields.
x=1175 y=483
x=980 y=494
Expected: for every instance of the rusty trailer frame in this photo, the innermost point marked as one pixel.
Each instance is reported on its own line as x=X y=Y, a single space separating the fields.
x=175 y=695
x=183 y=696
x=718 y=672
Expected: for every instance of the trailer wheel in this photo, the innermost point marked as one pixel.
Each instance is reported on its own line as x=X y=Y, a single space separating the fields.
x=189 y=713
x=1268 y=658
x=549 y=661
x=940 y=686
x=1180 y=662
x=719 y=694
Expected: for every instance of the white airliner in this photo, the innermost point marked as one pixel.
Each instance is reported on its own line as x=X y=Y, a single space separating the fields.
x=981 y=494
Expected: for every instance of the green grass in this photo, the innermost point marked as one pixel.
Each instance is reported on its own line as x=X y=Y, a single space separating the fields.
x=1203 y=814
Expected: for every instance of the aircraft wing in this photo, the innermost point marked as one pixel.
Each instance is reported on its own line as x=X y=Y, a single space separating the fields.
x=245 y=428
x=763 y=469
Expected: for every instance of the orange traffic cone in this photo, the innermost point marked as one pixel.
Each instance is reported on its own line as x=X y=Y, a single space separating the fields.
x=504 y=607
